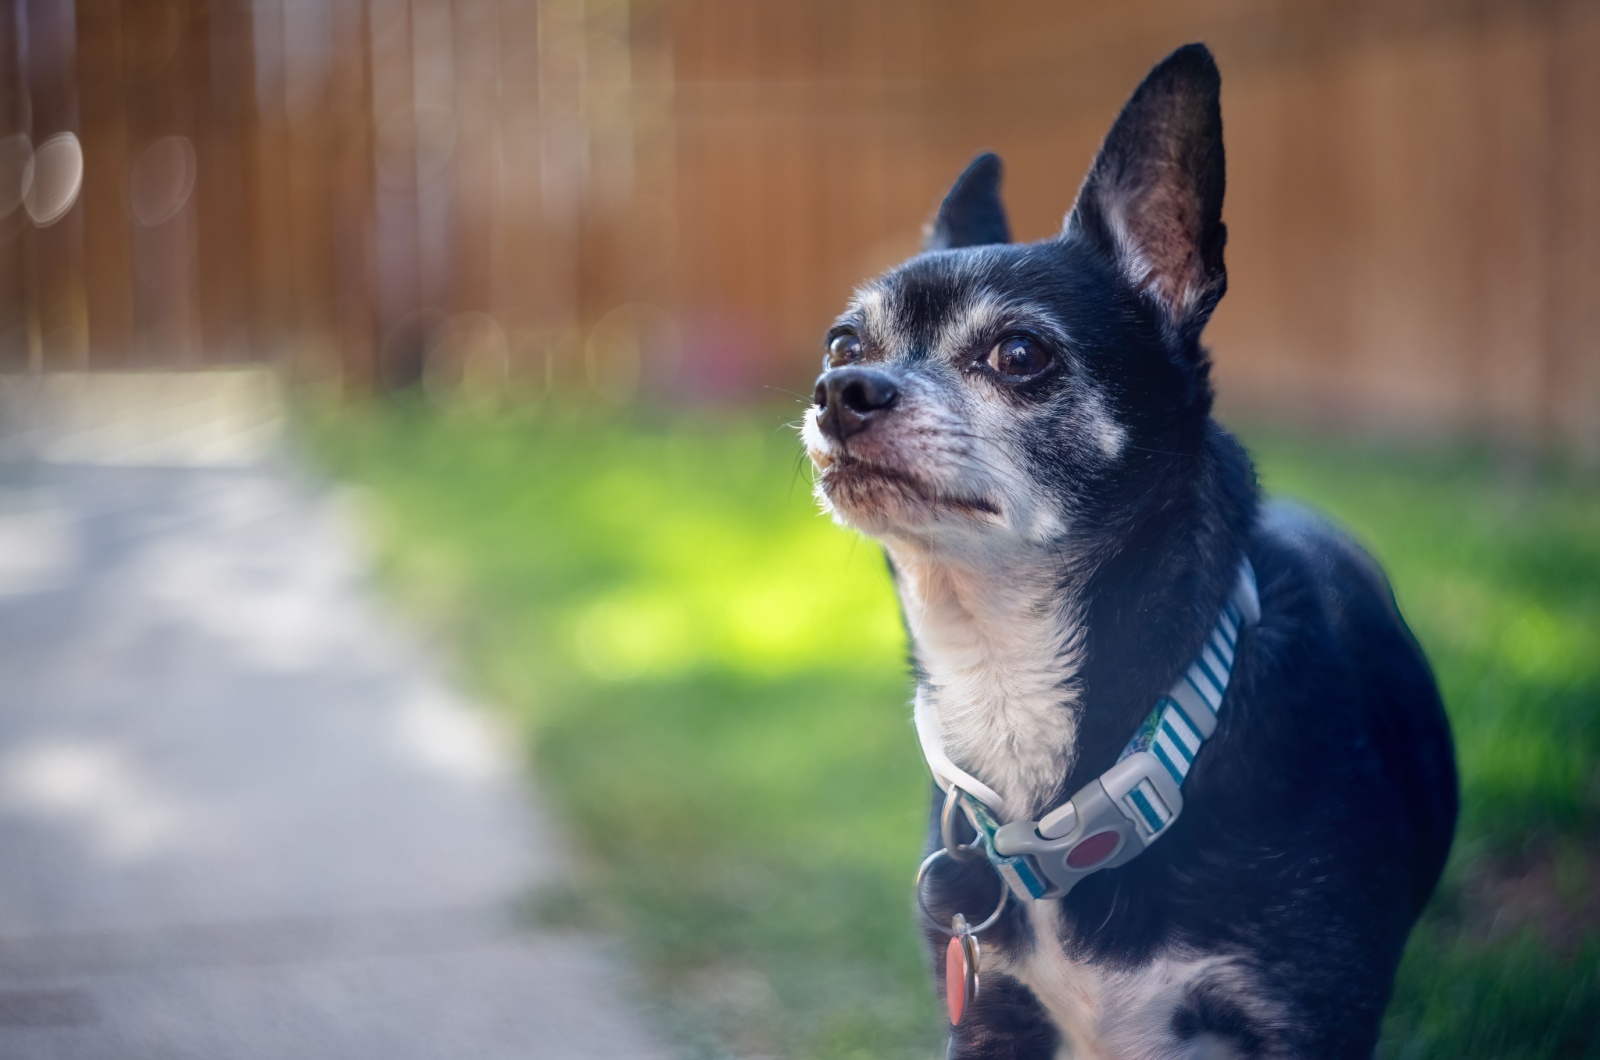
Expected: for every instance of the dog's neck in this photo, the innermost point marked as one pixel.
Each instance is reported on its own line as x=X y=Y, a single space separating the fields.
x=999 y=641
x=1041 y=660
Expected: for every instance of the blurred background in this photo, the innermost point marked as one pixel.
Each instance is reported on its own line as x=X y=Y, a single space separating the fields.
x=667 y=199
x=506 y=307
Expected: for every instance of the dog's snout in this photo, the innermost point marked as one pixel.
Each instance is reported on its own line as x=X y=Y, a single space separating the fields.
x=848 y=398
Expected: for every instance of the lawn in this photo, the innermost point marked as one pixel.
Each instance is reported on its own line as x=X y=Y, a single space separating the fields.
x=711 y=680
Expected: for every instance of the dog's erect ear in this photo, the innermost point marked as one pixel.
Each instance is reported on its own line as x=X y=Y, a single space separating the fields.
x=1153 y=199
x=971 y=214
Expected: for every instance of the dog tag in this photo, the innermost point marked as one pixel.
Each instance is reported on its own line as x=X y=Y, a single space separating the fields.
x=960 y=969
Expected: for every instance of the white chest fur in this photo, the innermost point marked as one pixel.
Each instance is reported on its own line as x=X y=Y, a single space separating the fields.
x=1001 y=649
x=1126 y=1014
x=1001 y=653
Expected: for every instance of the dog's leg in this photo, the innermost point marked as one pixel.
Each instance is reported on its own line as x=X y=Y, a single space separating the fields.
x=1006 y=1022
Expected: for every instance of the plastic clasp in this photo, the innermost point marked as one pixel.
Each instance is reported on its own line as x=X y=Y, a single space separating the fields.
x=1111 y=820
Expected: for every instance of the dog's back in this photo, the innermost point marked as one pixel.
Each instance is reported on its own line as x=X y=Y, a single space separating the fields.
x=1399 y=697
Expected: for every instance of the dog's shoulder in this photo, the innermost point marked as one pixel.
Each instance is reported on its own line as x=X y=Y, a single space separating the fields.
x=1325 y=597
x=1341 y=570
x=1318 y=582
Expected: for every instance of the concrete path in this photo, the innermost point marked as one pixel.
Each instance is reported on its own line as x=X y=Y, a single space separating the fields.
x=240 y=814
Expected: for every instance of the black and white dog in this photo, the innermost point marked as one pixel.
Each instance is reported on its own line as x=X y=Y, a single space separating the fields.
x=1078 y=547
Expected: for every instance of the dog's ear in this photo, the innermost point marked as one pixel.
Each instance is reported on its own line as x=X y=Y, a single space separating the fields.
x=971 y=214
x=1153 y=199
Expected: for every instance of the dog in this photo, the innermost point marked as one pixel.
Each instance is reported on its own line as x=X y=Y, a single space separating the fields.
x=1078 y=547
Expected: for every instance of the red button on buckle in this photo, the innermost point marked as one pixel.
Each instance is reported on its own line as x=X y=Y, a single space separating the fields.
x=1093 y=850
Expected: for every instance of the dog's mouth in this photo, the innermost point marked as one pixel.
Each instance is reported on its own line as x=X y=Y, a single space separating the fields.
x=856 y=482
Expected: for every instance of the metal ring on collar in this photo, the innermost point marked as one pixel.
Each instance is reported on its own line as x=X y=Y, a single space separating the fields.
x=922 y=903
x=947 y=832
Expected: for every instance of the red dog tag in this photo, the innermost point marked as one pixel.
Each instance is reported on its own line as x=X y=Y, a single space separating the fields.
x=955 y=979
x=960 y=970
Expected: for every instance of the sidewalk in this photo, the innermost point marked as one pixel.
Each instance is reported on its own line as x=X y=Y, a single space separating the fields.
x=240 y=814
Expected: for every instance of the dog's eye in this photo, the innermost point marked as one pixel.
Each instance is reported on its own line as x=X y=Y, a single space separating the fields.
x=1018 y=357
x=842 y=349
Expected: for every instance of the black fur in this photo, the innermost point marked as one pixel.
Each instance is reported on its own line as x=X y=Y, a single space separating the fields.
x=1211 y=1012
x=1318 y=818
x=1160 y=178
x=971 y=214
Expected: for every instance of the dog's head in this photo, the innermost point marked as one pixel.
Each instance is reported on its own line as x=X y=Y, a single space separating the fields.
x=986 y=391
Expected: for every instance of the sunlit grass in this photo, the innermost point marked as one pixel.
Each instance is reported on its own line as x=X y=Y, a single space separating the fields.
x=711 y=678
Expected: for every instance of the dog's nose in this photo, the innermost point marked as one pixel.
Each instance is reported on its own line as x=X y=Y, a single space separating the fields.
x=848 y=398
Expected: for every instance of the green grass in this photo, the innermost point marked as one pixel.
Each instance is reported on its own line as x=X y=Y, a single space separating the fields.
x=711 y=680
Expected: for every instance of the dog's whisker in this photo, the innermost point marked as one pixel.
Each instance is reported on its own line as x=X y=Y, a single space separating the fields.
x=802 y=461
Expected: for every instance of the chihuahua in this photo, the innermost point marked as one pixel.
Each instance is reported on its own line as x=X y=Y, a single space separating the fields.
x=1194 y=781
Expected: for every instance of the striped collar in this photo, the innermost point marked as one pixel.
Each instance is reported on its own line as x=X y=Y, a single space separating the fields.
x=1118 y=814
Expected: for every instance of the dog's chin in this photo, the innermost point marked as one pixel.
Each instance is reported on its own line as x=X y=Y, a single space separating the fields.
x=881 y=500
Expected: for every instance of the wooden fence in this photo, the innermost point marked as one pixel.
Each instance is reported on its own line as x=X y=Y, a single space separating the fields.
x=672 y=197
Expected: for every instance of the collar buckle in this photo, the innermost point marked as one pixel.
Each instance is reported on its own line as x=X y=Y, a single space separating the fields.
x=1109 y=822
x=1115 y=817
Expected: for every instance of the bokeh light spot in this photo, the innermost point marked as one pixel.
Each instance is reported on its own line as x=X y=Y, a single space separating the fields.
x=630 y=344
x=52 y=178
x=162 y=180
